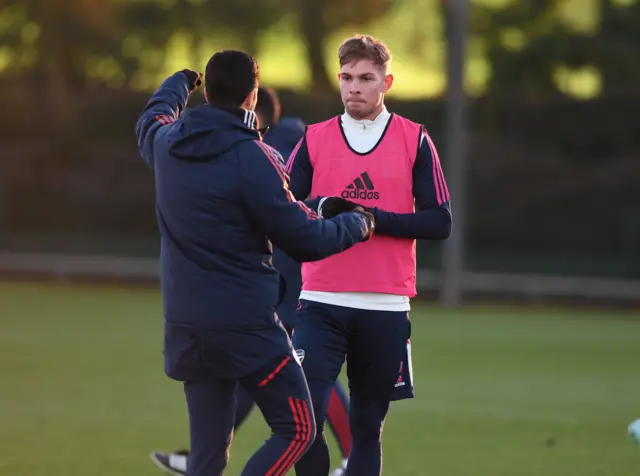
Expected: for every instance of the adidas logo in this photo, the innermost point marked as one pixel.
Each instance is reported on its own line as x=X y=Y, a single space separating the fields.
x=400 y=381
x=362 y=188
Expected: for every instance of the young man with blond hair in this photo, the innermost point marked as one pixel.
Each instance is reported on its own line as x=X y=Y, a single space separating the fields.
x=356 y=305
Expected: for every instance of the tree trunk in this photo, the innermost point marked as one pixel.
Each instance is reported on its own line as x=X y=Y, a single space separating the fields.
x=57 y=64
x=611 y=69
x=59 y=97
x=314 y=31
x=195 y=42
x=250 y=42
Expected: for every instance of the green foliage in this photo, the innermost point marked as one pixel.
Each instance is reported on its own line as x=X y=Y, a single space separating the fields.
x=528 y=41
x=156 y=22
x=339 y=14
x=51 y=43
x=529 y=44
x=317 y=20
x=64 y=34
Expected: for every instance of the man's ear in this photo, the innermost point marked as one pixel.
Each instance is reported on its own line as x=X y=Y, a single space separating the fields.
x=251 y=100
x=388 y=82
x=206 y=97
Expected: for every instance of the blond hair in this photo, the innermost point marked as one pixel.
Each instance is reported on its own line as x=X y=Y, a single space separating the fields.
x=365 y=47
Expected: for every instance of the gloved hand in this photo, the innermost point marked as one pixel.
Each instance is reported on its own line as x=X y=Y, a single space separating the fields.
x=332 y=206
x=370 y=221
x=195 y=79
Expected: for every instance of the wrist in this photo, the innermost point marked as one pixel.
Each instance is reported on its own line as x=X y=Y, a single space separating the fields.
x=320 y=203
x=193 y=79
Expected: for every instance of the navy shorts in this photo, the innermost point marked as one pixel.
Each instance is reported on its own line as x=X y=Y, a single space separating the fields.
x=375 y=344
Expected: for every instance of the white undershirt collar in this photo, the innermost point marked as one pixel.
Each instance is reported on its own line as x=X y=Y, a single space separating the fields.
x=380 y=120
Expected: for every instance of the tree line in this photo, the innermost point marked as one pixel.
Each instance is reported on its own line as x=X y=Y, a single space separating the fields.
x=525 y=42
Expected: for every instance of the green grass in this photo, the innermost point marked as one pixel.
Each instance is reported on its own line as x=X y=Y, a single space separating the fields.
x=500 y=391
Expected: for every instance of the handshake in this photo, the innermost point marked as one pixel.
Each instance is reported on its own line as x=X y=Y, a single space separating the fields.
x=330 y=207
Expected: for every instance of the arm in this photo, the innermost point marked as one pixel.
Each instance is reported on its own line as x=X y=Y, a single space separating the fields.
x=300 y=172
x=432 y=218
x=163 y=108
x=291 y=225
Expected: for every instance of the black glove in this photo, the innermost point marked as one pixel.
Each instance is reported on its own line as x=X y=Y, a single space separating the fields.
x=371 y=221
x=195 y=79
x=332 y=206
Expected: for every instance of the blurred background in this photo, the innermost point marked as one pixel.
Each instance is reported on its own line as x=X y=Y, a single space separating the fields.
x=533 y=105
x=548 y=175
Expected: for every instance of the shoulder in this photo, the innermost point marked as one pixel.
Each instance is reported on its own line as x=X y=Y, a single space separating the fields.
x=257 y=151
x=407 y=123
x=418 y=130
x=292 y=125
x=263 y=149
x=258 y=161
x=318 y=126
x=285 y=135
x=411 y=132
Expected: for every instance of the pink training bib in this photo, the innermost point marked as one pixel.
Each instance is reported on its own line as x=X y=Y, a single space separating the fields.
x=381 y=178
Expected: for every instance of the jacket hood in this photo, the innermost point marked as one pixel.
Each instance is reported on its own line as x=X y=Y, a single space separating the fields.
x=206 y=132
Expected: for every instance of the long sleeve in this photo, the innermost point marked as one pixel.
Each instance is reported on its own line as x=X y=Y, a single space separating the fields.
x=432 y=218
x=163 y=108
x=300 y=172
x=291 y=225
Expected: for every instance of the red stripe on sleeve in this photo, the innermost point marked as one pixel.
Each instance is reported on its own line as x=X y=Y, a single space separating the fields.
x=277 y=164
x=292 y=156
x=442 y=192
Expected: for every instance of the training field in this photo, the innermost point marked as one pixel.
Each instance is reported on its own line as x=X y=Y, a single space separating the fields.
x=500 y=391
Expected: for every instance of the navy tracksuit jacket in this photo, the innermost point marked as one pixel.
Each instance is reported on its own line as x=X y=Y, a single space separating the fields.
x=221 y=196
x=284 y=138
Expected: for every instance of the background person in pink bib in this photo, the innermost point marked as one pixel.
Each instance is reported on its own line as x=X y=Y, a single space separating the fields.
x=355 y=305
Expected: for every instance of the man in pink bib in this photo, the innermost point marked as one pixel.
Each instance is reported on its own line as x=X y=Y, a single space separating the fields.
x=355 y=305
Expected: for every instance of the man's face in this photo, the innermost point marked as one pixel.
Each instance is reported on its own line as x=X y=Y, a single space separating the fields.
x=362 y=87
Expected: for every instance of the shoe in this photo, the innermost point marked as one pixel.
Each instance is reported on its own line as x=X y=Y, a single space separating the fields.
x=173 y=463
x=342 y=470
